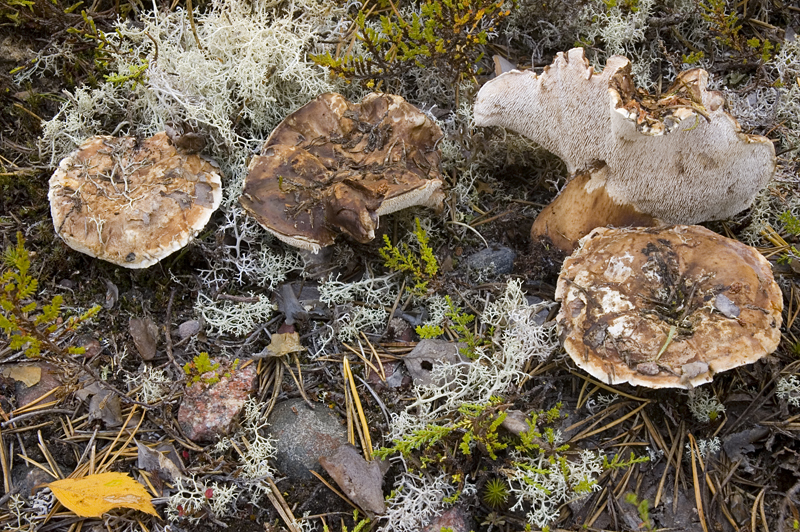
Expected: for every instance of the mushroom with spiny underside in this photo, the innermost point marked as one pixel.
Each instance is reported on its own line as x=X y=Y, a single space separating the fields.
x=679 y=158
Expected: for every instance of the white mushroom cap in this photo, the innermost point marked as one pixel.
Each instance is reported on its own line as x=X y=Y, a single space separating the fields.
x=132 y=202
x=666 y=308
x=680 y=158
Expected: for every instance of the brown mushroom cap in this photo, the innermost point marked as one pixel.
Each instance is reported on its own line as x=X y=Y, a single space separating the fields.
x=132 y=202
x=666 y=307
x=336 y=166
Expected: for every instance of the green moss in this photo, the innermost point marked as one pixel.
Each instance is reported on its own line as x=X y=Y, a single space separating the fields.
x=446 y=35
x=201 y=368
x=421 y=265
x=495 y=493
x=30 y=325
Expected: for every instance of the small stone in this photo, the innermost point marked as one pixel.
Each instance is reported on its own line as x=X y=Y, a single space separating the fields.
x=188 y=328
x=303 y=435
x=29 y=479
x=360 y=480
x=394 y=376
x=207 y=410
x=68 y=284
x=399 y=330
x=91 y=346
x=498 y=260
x=456 y=519
x=515 y=422
x=144 y=332
x=429 y=353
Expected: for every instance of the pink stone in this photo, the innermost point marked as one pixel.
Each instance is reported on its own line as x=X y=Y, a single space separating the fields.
x=207 y=411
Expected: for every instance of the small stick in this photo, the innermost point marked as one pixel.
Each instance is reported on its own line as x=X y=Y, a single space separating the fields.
x=337 y=492
x=168 y=335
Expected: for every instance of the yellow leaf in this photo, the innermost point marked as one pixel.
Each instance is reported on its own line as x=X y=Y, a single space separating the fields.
x=285 y=343
x=27 y=375
x=93 y=495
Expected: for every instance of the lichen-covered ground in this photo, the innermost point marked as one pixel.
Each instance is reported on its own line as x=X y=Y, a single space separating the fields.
x=721 y=457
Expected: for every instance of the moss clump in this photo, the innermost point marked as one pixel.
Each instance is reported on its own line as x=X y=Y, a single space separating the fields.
x=29 y=325
x=445 y=35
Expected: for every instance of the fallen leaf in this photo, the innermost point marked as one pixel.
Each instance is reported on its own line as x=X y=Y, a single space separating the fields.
x=144 y=332
x=283 y=344
x=94 y=495
x=106 y=406
x=360 y=480
x=483 y=188
x=157 y=461
x=27 y=375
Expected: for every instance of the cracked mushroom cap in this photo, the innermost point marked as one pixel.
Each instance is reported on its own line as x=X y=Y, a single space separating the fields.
x=132 y=202
x=333 y=166
x=666 y=308
x=679 y=158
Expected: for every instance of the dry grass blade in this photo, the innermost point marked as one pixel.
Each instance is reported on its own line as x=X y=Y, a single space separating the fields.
x=598 y=417
x=34 y=463
x=337 y=492
x=375 y=354
x=4 y=464
x=609 y=425
x=362 y=418
x=754 y=512
x=103 y=465
x=678 y=470
x=610 y=388
x=363 y=358
x=598 y=509
x=583 y=398
x=49 y=457
x=654 y=434
x=277 y=500
x=695 y=452
x=722 y=503
x=671 y=453
x=34 y=405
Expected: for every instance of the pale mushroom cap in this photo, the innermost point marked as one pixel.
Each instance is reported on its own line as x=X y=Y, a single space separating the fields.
x=131 y=202
x=333 y=166
x=681 y=158
x=624 y=290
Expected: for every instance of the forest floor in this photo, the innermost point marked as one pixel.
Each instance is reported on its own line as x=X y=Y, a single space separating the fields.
x=677 y=467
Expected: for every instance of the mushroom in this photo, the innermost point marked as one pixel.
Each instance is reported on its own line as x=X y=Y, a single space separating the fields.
x=674 y=158
x=132 y=202
x=333 y=166
x=667 y=307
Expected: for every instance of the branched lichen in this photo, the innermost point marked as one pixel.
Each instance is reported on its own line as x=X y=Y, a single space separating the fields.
x=235 y=318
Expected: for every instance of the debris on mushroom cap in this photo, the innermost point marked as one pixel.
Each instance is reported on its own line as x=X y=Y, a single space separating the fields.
x=667 y=307
x=132 y=202
x=680 y=158
x=336 y=166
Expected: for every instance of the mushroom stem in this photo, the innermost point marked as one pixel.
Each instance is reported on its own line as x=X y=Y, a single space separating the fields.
x=584 y=204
